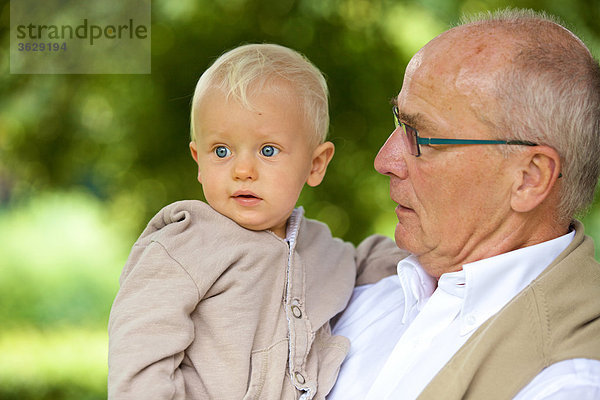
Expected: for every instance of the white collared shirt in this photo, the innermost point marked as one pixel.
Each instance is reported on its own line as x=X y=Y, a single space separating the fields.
x=405 y=328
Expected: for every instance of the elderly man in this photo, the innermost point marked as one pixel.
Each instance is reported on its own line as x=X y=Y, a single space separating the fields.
x=497 y=147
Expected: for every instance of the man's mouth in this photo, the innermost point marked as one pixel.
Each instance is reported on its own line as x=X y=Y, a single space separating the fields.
x=403 y=209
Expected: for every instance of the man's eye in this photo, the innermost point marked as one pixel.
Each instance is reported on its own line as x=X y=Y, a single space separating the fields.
x=269 y=151
x=222 y=152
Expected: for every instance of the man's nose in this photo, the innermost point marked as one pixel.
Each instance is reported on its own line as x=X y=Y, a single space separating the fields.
x=245 y=168
x=391 y=159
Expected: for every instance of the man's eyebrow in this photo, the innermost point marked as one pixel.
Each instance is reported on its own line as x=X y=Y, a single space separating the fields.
x=417 y=121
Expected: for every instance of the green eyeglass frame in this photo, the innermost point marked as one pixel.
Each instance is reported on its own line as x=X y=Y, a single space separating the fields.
x=413 y=140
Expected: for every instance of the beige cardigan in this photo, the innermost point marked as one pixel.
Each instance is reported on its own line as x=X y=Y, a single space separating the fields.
x=555 y=318
x=210 y=310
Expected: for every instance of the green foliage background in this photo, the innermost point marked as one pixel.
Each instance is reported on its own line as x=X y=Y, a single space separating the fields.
x=86 y=160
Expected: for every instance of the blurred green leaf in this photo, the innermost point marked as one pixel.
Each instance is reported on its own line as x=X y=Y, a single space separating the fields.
x=86 y=160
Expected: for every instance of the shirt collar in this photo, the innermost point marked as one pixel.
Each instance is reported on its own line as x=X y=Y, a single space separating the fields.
x=417 y=286
x=293 y=225
x=485 y=285
x=491 y=283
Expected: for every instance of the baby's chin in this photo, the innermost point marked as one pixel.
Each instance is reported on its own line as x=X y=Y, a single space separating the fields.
x=251 y=225
x=278 y=231
x=255 y=220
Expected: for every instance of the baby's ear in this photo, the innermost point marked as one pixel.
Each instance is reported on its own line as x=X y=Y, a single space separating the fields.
x=194 y=152
x=320 y=160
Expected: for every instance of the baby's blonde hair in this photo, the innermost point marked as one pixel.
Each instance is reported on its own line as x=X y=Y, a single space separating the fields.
x=246 y=69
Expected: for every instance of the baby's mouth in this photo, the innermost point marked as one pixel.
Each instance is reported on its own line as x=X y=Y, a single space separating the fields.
x=245 y=194
x=246 y=198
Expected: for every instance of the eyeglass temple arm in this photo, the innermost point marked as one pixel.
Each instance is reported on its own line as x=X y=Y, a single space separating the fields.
x=422 y=140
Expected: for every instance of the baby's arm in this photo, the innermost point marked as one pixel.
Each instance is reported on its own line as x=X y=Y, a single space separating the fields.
x=376 y=258
x=150 y=327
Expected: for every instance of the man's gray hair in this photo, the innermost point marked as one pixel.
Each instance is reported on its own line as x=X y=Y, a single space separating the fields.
x=550 y=94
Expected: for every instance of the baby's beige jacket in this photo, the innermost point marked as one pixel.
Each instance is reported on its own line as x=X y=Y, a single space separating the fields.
x=210 y=310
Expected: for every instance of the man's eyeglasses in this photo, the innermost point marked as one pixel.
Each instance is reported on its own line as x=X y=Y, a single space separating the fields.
x=413 y=140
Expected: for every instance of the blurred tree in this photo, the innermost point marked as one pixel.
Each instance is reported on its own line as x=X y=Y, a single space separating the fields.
x=124 y=137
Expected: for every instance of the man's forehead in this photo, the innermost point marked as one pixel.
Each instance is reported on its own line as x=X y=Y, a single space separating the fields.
x=466 y=45
x=462 y=60
x=450 y=79
x=414 y=64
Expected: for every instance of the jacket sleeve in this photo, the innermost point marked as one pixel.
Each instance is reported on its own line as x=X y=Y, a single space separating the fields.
x=150 y=327
x=376 y=258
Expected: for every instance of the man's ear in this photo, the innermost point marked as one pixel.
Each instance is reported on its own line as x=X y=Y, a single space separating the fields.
x=320 y=160
x=537 y=174
x=194 y=151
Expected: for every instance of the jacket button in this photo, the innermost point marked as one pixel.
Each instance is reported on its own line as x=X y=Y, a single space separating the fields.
x=299 y=378
x=296 y=311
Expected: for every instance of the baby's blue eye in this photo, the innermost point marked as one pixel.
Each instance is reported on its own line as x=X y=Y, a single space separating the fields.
x=222 y=152
x=269 y=151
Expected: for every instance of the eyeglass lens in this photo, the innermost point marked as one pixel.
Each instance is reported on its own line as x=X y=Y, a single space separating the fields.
x=410 y=134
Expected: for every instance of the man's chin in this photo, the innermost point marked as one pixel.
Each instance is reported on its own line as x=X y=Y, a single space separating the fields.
x=405 y=238
x=409 y=236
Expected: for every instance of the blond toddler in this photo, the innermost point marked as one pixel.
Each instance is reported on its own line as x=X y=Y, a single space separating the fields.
x=232 y=298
